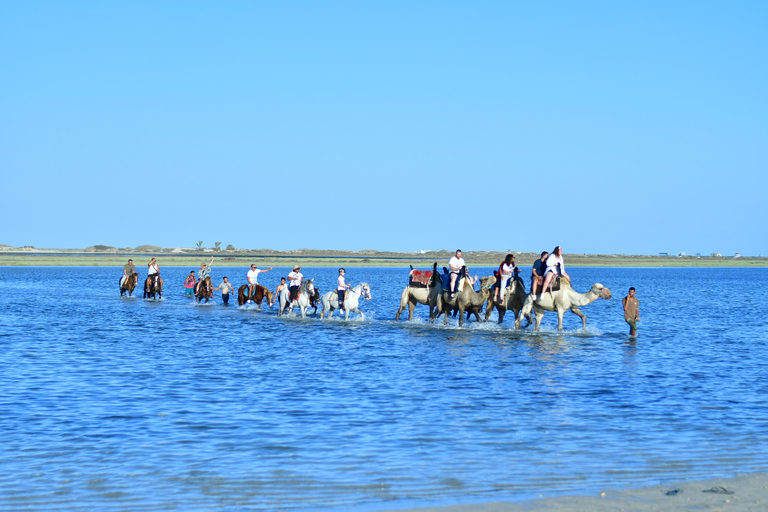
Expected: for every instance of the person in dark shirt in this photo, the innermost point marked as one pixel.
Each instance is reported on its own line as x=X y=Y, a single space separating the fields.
x=537 y=273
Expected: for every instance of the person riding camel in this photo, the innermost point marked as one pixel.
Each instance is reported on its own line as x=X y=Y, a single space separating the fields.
x=507 y=270
x=204 y=272
x=537 y=272
x=128 y=271
x=295 y=279
x=455 y=264
x=253 y=278
x=555 y=267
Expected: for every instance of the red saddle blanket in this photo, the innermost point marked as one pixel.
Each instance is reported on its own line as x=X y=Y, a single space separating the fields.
x=421 y=277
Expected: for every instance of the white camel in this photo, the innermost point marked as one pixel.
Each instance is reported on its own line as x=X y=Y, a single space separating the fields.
x=306 y=290
x=420 y=293
x=561 y=301
x=351 y=301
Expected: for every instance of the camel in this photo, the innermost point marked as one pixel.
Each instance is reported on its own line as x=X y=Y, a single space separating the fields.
x=562 y=300
x=467 y=298
x=421 y=293
x=514 y=298
x=129 y=284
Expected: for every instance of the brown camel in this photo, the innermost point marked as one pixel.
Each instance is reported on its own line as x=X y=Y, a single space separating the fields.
x=514 y=299
x=466 y=299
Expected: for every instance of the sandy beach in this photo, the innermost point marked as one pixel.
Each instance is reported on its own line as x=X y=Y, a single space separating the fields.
x=742 y=493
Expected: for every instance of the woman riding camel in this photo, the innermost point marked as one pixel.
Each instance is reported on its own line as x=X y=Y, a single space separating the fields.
x=507 y=270
x=555 y=267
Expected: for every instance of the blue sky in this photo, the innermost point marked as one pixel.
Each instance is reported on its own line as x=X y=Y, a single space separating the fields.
x=604 y=127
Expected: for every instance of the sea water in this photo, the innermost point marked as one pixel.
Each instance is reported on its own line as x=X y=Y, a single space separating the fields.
x=110 y=403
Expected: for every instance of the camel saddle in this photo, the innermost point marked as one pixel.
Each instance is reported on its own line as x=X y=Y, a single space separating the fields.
x=420 y=278
x=555 y=285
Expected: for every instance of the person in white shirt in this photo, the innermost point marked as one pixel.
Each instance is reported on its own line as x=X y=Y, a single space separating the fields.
x=153 y=270
x=506 y=270
x=555 y=267
x=455 y=264
x=253 y=278
x=341 y=289
x=294 y=281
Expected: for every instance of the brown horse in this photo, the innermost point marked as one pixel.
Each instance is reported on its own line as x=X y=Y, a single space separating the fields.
x=204 y=290
x=259 y=292
x=151 y=290
x=129 y=284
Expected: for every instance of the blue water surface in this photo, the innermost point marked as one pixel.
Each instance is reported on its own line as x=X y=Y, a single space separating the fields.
x=110 y=403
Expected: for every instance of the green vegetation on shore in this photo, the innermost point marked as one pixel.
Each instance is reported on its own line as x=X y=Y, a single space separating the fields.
x=111 y=257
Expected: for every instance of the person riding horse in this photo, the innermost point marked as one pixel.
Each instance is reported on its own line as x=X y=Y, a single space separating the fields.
x=204 y=272
x=253 y=278
x=294 y=279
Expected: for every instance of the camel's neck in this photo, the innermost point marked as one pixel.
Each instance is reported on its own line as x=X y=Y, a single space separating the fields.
x=582 y=299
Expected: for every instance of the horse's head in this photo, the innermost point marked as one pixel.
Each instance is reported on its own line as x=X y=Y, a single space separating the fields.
x=310 y=287
x=366 y=291
x=268 y=295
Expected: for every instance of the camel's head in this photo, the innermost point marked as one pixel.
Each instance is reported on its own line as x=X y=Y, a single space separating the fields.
x=487 y=282
x=602 y=291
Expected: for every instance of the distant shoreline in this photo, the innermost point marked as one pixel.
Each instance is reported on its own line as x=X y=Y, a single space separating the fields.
x=14 y=257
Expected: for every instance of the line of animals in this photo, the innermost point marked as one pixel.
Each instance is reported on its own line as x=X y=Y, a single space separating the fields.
x=429 y=288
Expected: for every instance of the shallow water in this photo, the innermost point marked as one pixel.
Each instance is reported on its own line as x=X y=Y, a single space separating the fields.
x=117 y=403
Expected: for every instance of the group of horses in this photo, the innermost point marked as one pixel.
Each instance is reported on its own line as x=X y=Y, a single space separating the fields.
x=152 y=289
x=308 y=296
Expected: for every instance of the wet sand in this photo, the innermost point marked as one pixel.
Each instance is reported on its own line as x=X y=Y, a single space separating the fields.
x=749 y=494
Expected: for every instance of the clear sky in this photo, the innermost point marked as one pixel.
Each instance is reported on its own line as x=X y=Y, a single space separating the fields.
x=604 y=127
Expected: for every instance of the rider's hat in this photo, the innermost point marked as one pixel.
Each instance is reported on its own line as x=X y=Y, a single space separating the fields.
x=296 y=267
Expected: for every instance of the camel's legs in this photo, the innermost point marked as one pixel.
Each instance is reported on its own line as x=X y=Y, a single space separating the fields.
x=583 y=317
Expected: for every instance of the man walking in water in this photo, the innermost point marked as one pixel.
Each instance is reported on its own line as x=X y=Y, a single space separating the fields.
x=631 y=311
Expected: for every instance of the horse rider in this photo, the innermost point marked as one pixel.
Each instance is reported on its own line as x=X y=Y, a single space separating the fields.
x=204 y=272
x=153 y=271
x=537 y=272
x=295 y=279
x=253 y=278
x=341 y=289
x=555 y=266
x=455 y=264
x=507 y=270
x=128 y=271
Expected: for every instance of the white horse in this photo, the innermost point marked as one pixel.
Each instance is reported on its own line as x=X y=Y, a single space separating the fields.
x=351 y=301
x=306 y=290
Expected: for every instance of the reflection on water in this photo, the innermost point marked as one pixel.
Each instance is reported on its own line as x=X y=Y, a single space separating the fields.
x=116 y=403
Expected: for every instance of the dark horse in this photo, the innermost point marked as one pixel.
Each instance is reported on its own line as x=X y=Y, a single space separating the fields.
x=314 y=300
x=259 y=292
x=204 y=290
x=129 y=284
x=152 y=289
